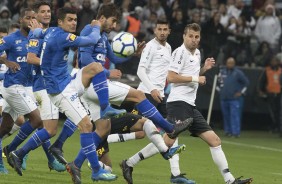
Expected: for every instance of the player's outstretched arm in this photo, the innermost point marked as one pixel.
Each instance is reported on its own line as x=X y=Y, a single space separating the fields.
x=90 y=35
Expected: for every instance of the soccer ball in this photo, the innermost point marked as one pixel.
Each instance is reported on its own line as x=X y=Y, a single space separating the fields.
x=124 y=44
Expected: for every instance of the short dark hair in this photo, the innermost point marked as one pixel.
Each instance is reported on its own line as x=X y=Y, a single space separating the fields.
x=3 y=30
x=62 y=12
x=162 y=21
x=109 y=10
x=194 y=26
x=38 y=4
x=22 y=13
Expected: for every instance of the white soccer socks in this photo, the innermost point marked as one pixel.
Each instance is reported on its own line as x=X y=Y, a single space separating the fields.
x=219 y=159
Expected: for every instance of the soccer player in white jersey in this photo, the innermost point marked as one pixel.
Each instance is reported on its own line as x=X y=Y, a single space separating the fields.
x=185 y=74
x=152 y=71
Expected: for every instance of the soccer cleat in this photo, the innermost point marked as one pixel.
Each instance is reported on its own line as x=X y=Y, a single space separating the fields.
x=6 y=152
x=17 y=162
x=3 y=169
x=24 y=162
x=179 y=127
x=172 y=151
x=74 y=172
x=243 y=181
x=110 y=112
x=126 y=171
x=3 y=155
x=57 y=166
x=58 y=154
x=103 y=175
x=181 y=179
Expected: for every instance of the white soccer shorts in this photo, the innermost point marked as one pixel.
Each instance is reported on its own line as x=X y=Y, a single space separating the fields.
x=47 y=109
x=68 y=100
x=117 y=94
x=18 y=101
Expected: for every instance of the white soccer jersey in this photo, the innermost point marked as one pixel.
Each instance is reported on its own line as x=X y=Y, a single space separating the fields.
x=3 y=69
x=185 y=64
x=155 y=58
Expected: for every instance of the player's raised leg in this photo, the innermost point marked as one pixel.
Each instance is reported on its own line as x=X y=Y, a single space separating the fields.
x=147 y=109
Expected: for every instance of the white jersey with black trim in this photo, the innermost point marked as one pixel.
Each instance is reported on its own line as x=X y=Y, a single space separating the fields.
x=186 y=64
x=155 y=58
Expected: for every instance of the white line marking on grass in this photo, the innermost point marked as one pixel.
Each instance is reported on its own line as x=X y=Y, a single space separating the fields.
x=253 y=146
x=280 y=174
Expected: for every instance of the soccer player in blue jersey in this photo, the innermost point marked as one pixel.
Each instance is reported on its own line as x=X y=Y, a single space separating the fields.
x=48 y=111
x=64 y=91
x=118 y=92
x=18 y=100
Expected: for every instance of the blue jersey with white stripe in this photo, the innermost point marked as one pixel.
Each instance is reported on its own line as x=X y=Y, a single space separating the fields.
x=98 y=52
x=15 y=47
x=54 y=56
x=35 y=46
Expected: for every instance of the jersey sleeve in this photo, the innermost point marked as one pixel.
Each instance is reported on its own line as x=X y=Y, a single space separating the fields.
x=86 y=52
x=33 y=45
x=178 y=60
x=146 y=56
x=5 y=44
x=72 y=40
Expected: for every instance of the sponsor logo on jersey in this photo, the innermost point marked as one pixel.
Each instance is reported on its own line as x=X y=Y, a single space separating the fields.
x=21 y=59
x=33 y=43
x=101 y=57
x=2 y=41
x=71 y=37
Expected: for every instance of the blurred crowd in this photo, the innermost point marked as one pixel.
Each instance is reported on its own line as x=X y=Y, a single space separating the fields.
x=248 y=30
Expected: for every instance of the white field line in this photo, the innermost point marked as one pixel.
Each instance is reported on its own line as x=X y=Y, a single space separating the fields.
x=252 y=146
x=279 y=174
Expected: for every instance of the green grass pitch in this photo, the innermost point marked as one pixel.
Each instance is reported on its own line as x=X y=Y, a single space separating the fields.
x=255 y=154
